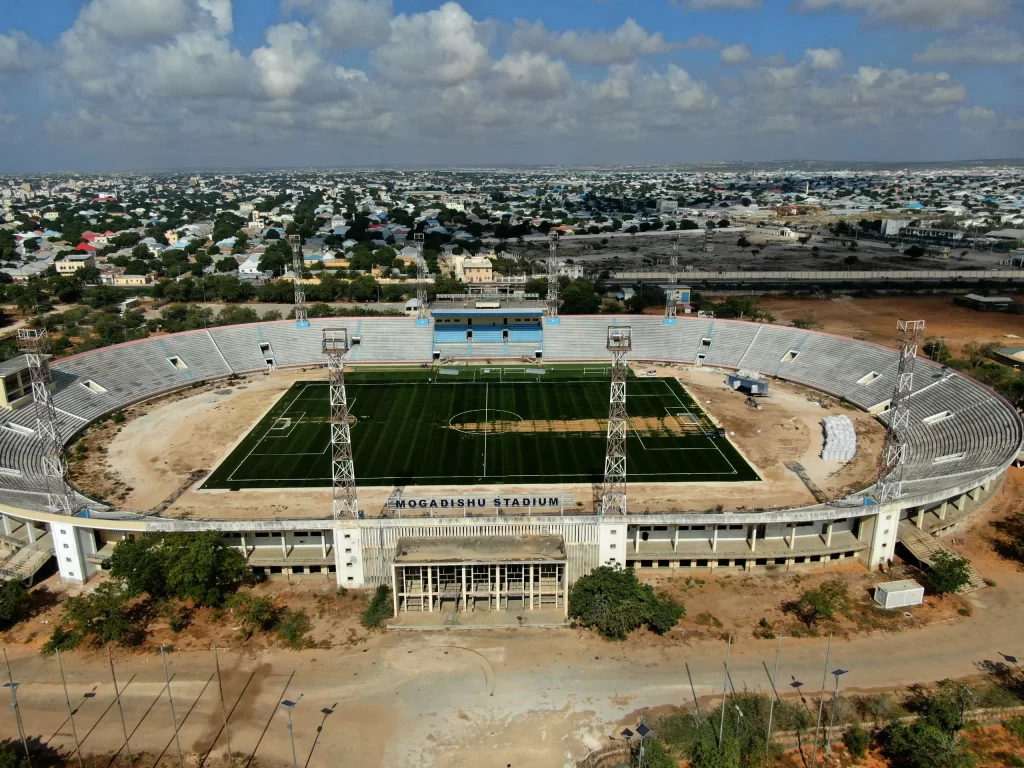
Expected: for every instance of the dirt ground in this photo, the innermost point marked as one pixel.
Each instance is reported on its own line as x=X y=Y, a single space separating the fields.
x=874 y=319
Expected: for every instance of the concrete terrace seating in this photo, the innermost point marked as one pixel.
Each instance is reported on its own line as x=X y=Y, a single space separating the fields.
x=450 y=335
x=959 y=431
x=524 y=334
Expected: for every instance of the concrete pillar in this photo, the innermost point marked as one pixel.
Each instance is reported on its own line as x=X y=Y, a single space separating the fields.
x=942 y=509
x=430 y=595
x=531 y=586
x=636 y=540
x=323 y=544
x=753 y=538
x=465 y=590
x=675 y=539
x=919 y=522
x=792 y=538
x=31 y=532
x=394 y=588
x=828 y=534
x=714 y=538
x=560 y=571
x=7 y=524
x=497 y=585
x=70 y=553
x=284 y=544
x=245 y=547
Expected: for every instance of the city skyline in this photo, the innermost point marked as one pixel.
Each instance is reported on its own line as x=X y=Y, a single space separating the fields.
x=174 y=84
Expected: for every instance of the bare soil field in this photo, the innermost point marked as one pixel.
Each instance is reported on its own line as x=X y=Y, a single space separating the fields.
x=874 y=319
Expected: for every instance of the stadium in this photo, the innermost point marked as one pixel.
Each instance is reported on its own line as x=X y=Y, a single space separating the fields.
x=467 y=459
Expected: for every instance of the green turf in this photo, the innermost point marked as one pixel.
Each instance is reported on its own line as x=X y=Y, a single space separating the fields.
x=411 y=430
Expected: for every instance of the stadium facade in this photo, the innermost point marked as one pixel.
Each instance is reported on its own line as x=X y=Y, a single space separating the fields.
x=960 y=440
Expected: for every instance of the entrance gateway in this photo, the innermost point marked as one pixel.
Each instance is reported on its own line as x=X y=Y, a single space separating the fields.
x=512 y=574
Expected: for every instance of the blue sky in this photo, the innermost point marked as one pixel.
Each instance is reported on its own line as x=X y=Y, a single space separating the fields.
x=150 y=84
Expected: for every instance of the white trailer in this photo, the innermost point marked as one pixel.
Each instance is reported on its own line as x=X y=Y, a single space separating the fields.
x=899 y=594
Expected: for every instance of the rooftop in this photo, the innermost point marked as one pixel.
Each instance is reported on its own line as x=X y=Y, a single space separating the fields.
x=483 y=549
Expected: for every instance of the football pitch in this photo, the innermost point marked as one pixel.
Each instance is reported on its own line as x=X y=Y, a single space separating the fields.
x=481 y=426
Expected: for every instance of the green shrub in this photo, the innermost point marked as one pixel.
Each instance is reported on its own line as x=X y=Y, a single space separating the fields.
x=13 y=602
x=253 y=613
x=292 y=628
x=825 y=602
x=105 y=614
x=12 y=756
x=61 y=639
x=379 y=610
x=118 y=418
x=856 y=740
x=1015 y=725
x=614 y=602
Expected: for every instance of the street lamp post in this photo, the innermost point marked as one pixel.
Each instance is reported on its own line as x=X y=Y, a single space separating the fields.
x=170 y=701
x=289 y=706
x=832 y=716
x=642 y=731
x=17 y=710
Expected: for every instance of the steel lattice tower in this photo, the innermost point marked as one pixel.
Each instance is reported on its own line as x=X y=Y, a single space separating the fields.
x=909 y=334
x=60 y=496
x=613 y=495
x=301 y=316
x=673 y=261
x=553 y=278
x=343 y=474
x=421 y=280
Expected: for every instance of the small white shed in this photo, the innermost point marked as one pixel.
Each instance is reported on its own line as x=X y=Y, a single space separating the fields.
x=899 y=594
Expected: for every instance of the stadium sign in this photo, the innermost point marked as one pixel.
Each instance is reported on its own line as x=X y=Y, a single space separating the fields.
x=465 y=503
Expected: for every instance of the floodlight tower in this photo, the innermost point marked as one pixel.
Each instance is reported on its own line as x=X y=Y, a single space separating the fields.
x=60 y=496
x=421 y=281
x=909 y=334
x=343 y=474
x=301 y=316
x=673 y=260
x=553 y=279
x=613 y=495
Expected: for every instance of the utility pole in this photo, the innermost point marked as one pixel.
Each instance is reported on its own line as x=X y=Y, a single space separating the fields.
x=821 y=699
x=120 y=709
x=223 y=709
x=17 y=710
x=71 y=714
x=170 y=700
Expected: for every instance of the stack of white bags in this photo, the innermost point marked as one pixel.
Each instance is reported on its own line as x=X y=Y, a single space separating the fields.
x=840 y=439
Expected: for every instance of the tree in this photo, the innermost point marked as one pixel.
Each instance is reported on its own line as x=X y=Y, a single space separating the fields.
x=614 y=602
x=948 y=573
x=851 y=260
x=13 y=602
x=188 y=566
x=825 y=602
x=236 y=316
x=580 y=298
x=253 y=614
x=103 y=614
x=914 y=252
x=742 y=242
x=856 y=740
x=379 y=609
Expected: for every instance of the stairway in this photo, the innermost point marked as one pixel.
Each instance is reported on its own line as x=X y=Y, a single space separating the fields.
x=27 y=561
x=923 y=546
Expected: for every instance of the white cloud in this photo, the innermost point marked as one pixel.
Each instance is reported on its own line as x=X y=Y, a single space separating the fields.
x=977 y=119
x=981 y=46
x=533 y=75
x=348 y=24
x=618 y=47
x=443 y=46
x=288 y=62
x=724 y=5
x=824 y=58
x=222 y=14
x=926 y=13
x=137 y=20
x=736 y=54
x=702 y=42
x=18 y=52
x=1014 y=125
x=194 y=65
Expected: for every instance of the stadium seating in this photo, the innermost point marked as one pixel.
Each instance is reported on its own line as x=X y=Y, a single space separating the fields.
x=959 y=430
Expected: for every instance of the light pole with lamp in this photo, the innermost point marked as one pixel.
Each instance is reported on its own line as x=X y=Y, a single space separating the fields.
x=642 y=731
x=832 y=715
x=289 y=706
